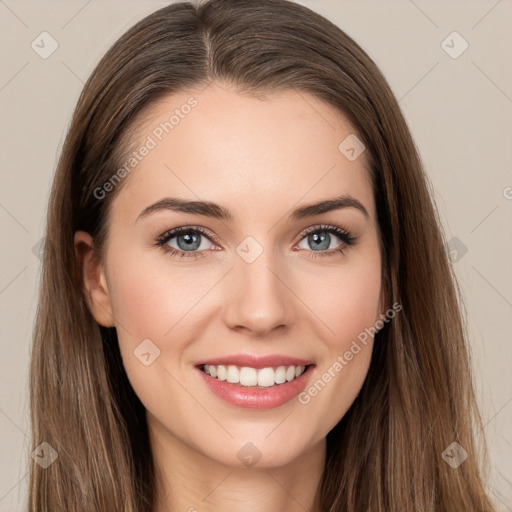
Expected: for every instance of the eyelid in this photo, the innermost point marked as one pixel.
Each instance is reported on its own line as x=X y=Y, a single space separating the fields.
x=327 y=227
x=346 y=236
x=173 y=232
x=209 y=234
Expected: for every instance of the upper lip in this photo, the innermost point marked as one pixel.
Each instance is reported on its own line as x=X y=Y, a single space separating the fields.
x=253 y=361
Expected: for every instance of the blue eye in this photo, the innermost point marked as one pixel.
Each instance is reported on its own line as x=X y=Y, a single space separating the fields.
x=316 y=236
x=188 y=240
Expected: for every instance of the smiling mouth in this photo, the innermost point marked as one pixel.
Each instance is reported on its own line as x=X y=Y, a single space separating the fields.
x=246 y=376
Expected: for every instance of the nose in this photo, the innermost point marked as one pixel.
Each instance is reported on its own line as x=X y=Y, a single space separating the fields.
x=258 y=299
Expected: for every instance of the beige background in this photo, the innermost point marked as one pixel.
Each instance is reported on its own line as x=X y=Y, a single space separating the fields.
x=458 y=109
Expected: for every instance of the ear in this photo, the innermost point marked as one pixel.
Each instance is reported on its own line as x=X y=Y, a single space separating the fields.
x=94 y=282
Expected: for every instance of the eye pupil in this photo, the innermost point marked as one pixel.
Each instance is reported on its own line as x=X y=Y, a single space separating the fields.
x=189 y=241
x=316 y=237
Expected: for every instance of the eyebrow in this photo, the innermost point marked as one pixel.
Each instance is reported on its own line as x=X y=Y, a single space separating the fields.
x=216 y=211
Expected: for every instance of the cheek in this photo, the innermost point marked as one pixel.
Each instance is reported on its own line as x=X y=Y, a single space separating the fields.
x=346 y=299
x=154 y=300
x=148 y=299
x=348 y=305
x=139 y=305
x=147 y=302
x=358 y=306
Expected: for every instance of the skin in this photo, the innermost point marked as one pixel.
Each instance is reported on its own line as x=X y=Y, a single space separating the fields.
x=260 y=158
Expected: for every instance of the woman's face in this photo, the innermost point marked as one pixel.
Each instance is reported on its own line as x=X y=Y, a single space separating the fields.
x=253 y=284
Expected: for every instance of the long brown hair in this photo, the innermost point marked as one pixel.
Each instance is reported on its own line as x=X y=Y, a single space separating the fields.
x=417 y=399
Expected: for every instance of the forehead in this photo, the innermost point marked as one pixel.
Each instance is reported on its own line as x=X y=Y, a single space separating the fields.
x=253 y=155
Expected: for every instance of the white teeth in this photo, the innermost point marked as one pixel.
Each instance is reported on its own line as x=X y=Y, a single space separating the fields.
x=246 y=376
x=281 y=375
x=233 y=374
x=266 y=377
x=221 y=371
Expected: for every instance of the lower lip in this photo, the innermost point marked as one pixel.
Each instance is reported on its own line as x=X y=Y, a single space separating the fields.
x=257 y=398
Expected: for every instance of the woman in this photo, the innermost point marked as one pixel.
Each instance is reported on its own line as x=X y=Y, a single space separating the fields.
x=193 y=349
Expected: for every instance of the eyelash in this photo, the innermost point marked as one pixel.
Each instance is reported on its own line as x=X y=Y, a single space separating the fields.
x=348 y=240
